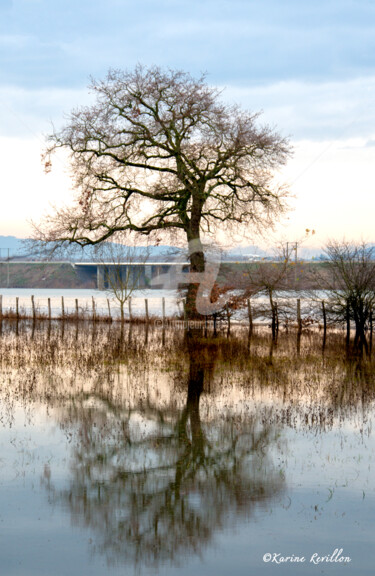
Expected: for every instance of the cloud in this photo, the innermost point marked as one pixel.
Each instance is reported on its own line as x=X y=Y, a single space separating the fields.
x=304 y=111
x=28 y=113
x=243 y=41
x=314 y=111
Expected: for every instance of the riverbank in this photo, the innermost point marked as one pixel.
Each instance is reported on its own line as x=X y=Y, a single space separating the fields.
x=44 y=275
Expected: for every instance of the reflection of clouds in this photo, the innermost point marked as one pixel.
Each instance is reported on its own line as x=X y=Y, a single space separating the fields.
x=150 y=497
x=171 y=444
x=154 y=481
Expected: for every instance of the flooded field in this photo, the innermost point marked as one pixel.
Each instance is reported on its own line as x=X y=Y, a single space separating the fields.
x=142 y=451
x=85 y=298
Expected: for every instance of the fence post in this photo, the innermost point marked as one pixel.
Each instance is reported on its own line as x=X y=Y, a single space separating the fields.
x=146 y=310
x=250 y=314
x=49 y=309
x=17 y=308
x=109 y=310
x=324 y=323
x=228 y=316
x=163 y=309
x=1 y=306
x=185 y=314
x=93 y=309
x=130 y=308
x=62 y=307
x=299 y=319
x=76 y=308
x=33 y=306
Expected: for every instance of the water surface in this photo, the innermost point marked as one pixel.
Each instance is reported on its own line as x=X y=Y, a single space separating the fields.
x=134 y=451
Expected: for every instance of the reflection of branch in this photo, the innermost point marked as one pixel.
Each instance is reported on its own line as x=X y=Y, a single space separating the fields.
x=153 y=497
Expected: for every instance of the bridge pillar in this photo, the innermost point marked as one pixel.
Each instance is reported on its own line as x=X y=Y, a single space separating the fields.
x=148 y=273
x=172 y=271
x=100 y=277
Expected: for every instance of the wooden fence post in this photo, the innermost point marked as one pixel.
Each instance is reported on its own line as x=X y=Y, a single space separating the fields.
x=324 y=323
x=1 y=306
x=109 y=310
x=76 y=308
x=163 y=309
x=93 y=309
x=33 y=306
x=299 y=319
x=146 y=310
x=228 y=316
x=49 y=309
x=17 y=308
x=62 y=308
x=250 y=314
x=130 y=309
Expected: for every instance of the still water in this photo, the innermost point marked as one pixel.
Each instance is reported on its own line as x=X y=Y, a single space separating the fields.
x=85 y=298
x=310 y=306
x=137 y=451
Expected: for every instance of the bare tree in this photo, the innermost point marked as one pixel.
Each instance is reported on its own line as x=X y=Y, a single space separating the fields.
x=349 y=275
x=279 y=272
x=261 y=278
x=159 y=151
x=123 y=267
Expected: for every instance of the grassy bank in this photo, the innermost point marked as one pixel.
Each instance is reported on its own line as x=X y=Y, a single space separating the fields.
x=59 y=275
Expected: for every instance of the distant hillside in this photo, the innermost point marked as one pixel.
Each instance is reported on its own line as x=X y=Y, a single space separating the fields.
x=18 y=249
x=40 y=275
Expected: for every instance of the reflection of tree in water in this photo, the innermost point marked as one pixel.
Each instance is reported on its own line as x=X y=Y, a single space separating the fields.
x=154 y=476
x=155 y=483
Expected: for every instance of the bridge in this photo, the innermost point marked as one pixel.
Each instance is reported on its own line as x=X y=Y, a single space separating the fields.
x=139 y=274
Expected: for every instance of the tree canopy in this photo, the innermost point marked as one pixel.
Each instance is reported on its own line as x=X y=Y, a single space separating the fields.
x=159 y=150
x=350 y=273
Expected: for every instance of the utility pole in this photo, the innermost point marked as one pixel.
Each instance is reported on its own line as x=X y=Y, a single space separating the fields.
x=294 y=246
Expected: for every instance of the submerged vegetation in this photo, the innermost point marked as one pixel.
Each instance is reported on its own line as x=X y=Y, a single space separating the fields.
x=174 y=436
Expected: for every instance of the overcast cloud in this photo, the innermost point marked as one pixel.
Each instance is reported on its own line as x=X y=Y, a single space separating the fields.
x=292 y=58
x=308 y=65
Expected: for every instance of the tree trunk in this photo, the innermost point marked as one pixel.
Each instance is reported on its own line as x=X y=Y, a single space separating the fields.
x=360 y=336
x=324 y=323
x=196 y=266
x=274 y=316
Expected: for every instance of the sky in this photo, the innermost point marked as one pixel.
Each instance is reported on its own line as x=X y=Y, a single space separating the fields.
x=309 y=66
